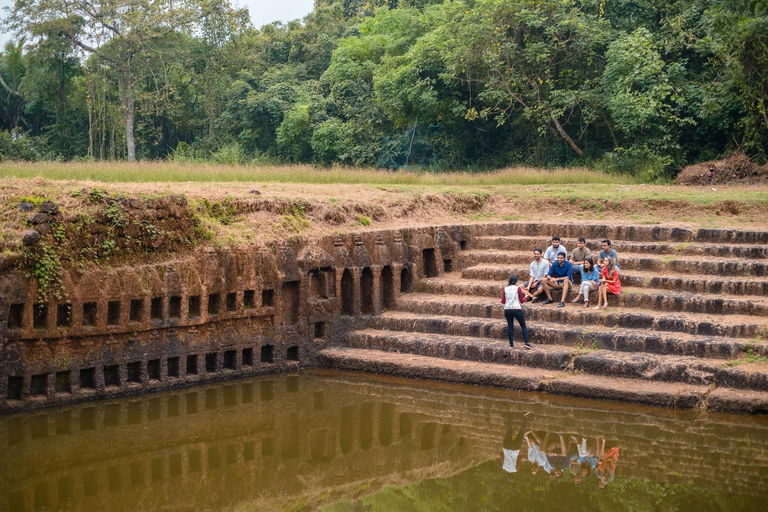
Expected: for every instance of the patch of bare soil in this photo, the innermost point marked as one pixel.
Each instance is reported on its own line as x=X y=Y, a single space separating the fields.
x=734 y=168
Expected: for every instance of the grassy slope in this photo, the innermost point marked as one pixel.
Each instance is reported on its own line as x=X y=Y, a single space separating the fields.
x=304 y=201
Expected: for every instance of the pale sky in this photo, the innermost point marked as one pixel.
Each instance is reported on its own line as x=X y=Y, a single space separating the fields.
x=262 y=12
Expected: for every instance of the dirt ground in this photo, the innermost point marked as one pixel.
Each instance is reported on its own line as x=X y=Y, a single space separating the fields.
x=733 y=169
x=236 y=214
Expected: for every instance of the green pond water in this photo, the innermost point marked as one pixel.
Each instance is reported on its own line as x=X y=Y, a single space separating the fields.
x=346 y=442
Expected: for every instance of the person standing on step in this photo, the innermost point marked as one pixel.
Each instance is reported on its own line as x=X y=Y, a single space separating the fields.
x=553 y=250
x=513 y=298
x=590 y=281
x=559 y=277
x=579 y=254
x=537 y=270
x=609 y=283
x=607 y=253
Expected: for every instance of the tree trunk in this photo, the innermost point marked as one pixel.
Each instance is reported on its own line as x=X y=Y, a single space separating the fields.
x=125 y=86
x=210 y=106
x=90 y=125
x=112 y=149
x=565 y=136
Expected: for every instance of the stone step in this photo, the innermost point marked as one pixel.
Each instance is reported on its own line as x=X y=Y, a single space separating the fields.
x=757 y=286
x=528 y=243
x=733 y=326
x=643 y=262
x=642 y=366
x=589 y=337
x=631 y=297
x=622 y=232
x=664 y=394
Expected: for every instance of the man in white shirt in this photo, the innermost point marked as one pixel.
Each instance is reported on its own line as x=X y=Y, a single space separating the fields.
x=536 y=272
x=553 y=250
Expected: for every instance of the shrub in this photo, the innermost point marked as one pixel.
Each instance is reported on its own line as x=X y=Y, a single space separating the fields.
x=230 y=154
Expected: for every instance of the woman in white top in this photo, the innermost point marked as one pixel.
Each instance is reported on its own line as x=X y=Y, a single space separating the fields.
x=512 y=298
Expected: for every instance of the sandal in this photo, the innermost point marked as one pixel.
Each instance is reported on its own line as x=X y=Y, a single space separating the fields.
x=586 y=303
x=576 y=300
x=597 y=307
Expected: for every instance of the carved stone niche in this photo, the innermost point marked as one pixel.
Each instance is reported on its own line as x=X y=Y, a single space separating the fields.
x=360 y=256
x=381 y=253
x=320 y=269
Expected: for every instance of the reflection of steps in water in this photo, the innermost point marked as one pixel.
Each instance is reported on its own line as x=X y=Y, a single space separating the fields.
x=261 y=439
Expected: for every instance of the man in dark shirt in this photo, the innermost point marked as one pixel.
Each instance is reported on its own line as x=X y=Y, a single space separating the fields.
x=559 y=277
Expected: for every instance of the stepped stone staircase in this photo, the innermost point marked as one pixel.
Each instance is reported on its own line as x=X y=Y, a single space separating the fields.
x=689 y=329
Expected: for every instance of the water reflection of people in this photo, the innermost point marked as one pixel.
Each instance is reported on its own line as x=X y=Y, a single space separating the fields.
x=582 y=458
x=578 y=458
x=536 y=455
x=510 y=447
x=606 y=468
x=557 y=455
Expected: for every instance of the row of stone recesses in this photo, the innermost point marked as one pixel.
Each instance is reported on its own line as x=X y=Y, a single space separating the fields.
x=109 y=415
x=137 y=309
x=139 y=372
x=386 y=289
x=429 y=262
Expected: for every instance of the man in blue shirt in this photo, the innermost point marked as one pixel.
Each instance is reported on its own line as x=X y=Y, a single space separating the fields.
x=559 y=277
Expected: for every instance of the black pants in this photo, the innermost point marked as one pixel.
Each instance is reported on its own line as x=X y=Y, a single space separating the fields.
x=512 y=440
x=510 y=315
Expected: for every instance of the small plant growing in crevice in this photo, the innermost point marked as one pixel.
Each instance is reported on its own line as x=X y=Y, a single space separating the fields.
x=295 y=218
x=364 y=221
x=44 y=264
x=116 y=215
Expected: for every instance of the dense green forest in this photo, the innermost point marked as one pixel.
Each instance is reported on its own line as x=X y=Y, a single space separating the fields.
x=637 y=86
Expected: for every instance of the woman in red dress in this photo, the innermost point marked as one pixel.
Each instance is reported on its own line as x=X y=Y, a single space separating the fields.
x=609 y=282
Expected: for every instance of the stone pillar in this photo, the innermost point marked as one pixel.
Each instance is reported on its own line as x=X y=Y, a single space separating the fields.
x=376 y=289
x=356 y=292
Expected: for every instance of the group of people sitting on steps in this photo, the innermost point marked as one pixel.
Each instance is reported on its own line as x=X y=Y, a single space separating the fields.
x=557 y=454
x=554 y=270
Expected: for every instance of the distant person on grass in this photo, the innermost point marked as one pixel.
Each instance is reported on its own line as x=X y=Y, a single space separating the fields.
x=609 y=283
x=555 y=249
x=590 y=281
x=513 y=298
x=579 y=254
x=559 y=277
x=536 y=272
x=607 y=253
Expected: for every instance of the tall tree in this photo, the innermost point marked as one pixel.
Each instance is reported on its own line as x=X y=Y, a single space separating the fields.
x=13 y=77
x=116 y=31
x=535 y=59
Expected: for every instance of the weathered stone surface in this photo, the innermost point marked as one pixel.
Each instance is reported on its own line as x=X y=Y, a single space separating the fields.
x=43 y=229
x=38 y=218
x=26 y=207
x=50 y=208
x=686 y=311
x=30 y=238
